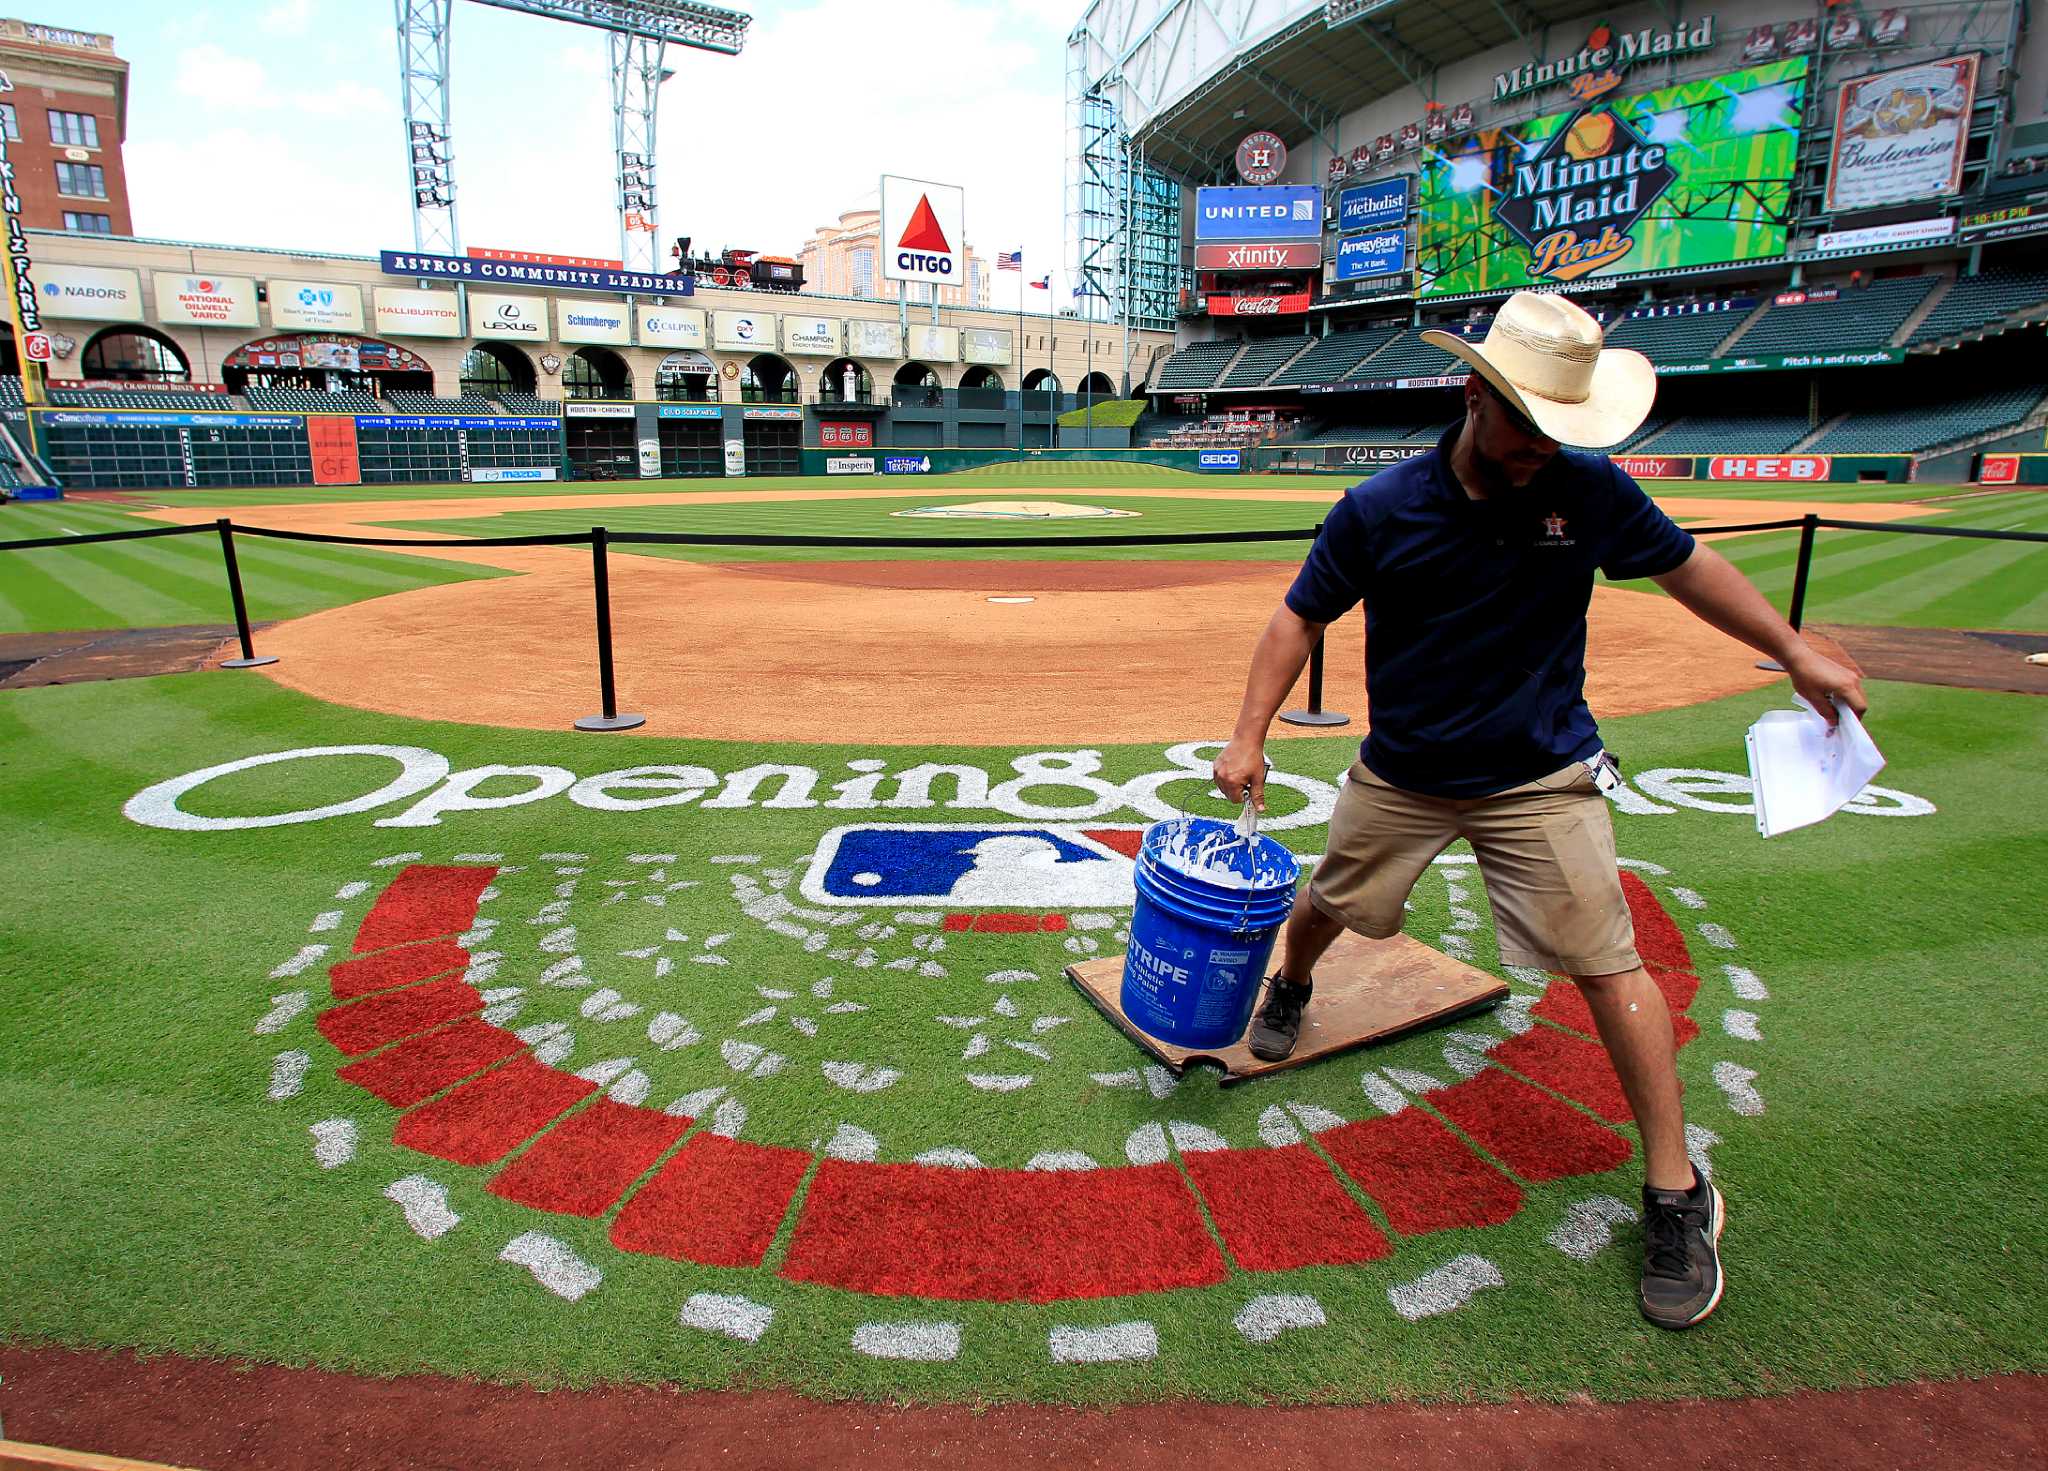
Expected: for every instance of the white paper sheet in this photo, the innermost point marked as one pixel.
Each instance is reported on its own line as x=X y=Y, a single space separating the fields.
x=1803 y=770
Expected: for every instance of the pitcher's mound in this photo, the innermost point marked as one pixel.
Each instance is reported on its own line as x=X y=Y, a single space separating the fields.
x=1014 y=511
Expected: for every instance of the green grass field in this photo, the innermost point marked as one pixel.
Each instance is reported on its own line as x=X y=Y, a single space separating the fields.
x=1883 y=1226
x=180 y=579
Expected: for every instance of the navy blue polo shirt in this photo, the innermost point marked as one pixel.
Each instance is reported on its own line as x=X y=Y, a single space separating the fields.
x=1475 y=612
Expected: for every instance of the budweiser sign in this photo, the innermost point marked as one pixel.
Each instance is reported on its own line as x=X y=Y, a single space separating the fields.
x=1258 y=306
x=1300 y=255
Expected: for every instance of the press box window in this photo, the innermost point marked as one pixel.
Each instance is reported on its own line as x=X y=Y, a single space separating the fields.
x=82 y=180
x=85 y=224
x=73 y=129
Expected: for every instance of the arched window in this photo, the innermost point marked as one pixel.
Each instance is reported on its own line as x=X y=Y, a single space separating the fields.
x=596 y=372
x=845 y=381
x=981 y=377
x=134 y=355
x=916 y=375
x=1041 y=380
x=768 y=379
x=489 y=369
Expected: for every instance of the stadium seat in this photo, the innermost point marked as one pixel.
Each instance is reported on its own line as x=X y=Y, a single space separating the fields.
x=1195 y=366
x=1977 y=302
x=1704 y=434
x=1261 y=360
x=1687 y=337
x=1336 y=355
x=309 y=401
x=404 y=402
x=1924 y=425
x=153 y=399
x=1861 y=319
x=527 y=403
x=1406 y=356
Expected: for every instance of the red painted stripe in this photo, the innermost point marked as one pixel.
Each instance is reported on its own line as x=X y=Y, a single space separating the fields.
x=909 y=1230
x=400 y=967
x=414 y=1071
x=488 y=1118
x=585 y=1163
x=1422 y=1175
x=425 y=900
x=1126 y=841
x=1529 y=1131
x=1571 y=1065
x=376 y=1020
x=719 y=1202
x=1282 y=1208
x=1565 y=1004
x=1658 y=938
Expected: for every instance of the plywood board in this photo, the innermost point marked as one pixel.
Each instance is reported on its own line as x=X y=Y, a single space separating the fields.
x=1366 y=991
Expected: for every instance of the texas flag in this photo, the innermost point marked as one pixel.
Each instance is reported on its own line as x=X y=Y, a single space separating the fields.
x=1043 y=283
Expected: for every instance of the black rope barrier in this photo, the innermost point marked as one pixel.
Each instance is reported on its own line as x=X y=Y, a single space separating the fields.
x=1162 y=539
x=102 y=536
x=576 y=539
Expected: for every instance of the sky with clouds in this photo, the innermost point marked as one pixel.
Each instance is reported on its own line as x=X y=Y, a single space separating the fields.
x=278 y=123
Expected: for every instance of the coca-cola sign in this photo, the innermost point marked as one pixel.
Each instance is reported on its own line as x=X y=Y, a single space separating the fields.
x=1298 y=255
x=1258 y=306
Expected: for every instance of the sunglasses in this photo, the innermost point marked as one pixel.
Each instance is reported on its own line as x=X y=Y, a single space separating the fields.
x=1517 y=420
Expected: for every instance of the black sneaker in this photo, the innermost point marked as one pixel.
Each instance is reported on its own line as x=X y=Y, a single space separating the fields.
x=1278 y=1022
x=1682 y=1254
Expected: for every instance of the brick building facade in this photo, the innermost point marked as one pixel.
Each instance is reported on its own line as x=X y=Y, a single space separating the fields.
x=65 y=116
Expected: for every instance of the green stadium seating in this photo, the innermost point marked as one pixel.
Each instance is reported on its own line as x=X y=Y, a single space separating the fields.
x=1701 y=434
x=1195 y=366
x=1979 y=301
x=1910 y=428
x=1861 y=319
x=1261 y=360
x=1687 y=337
x=1336 y=355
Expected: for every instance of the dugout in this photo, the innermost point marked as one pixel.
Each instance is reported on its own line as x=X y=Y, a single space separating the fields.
x=599 y=441
x=774 y=438
x=692 y=439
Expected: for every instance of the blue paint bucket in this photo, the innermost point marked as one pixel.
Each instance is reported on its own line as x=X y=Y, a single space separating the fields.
x=1210 y=906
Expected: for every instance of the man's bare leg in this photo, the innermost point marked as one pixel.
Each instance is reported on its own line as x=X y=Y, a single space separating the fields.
x=1635 y=1025
x=1310 y=932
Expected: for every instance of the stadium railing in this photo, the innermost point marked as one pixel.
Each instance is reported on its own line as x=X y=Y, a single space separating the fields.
x=599 y=540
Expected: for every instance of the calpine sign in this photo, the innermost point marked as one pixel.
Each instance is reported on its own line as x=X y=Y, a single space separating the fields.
x=1595 y=68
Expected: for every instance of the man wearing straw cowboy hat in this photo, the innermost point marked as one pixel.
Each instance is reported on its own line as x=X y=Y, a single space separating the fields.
x=1475 y=563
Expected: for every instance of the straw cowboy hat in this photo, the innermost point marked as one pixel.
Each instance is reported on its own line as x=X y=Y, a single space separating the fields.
x=1543 y=355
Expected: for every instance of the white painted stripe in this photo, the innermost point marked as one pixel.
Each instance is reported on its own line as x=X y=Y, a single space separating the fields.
x=1588 y=1226
x=949 y=1157
x=1742 y=1024
x=1698 y=1140
x=334 y=1142
x=1264 y=1319
x=1384 y=1095
x=425 y=1202
x=727 y=1315
x=1412 y=1081
x=1276 y=1130
x=559 y=942
x=393 y=859
x=692 y=1105
x=349 y=891
x=288 y=1075
x=853 y=1144
x=669 y=1032
x=1736 y=1082
x=1717 y=936
x=999 y=1082
x=282 y=1009
x=306 y=956
x=1009 y=977
x=859 y=1077
x=1747 y=986
x=604 y=1072
x=1146 y=1145
x=1061 y=1159
x=553 y=1264
x=925 y=1343
x=730 y=1118
x=327 y=919
x=1116 y=1343
x=1690 y=898
x=631 y=1090
x=1159 y=1081
x=1445 y=1289
x=1195 y=1139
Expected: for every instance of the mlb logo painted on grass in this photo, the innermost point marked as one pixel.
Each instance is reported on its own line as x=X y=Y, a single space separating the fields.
x=980 y=865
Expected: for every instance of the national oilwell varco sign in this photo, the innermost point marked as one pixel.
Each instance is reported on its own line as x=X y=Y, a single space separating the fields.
x=1595 y=68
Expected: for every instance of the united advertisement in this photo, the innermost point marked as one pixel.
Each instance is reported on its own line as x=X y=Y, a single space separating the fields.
x=1690 y=175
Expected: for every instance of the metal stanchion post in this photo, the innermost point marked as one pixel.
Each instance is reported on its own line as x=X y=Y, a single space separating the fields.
x=1808 y=525
x=1315 y=714
x=250 y=658
x=611 y=719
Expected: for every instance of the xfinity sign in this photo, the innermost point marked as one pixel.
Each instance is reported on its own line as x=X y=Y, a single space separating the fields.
x=1282 y=212
x=922 y=232
x=1373 y=206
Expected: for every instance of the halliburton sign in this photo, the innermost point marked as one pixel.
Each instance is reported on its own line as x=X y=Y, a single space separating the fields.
x=1258 y=306
x=1292 y=256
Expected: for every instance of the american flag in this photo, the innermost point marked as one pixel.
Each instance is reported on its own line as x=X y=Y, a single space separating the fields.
x=1009 y=260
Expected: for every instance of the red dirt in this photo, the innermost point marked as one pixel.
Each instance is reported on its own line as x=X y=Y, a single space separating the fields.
x=257 y=1417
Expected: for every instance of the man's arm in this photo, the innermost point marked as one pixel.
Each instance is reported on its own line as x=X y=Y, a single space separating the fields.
x=1719 y=595
x=1276 y=664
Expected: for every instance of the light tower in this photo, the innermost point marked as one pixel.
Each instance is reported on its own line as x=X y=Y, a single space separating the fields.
x=639 y=31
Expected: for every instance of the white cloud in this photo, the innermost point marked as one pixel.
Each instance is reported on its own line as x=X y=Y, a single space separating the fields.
x=287 y=18
x=210 y=74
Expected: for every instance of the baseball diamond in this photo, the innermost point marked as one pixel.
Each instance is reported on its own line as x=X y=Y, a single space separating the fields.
x=579 y=809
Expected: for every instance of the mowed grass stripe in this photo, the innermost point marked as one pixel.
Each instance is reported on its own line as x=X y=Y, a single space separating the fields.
x=181 y=579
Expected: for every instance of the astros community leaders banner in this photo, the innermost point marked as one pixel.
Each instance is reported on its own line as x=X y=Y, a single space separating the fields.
x=1691 y=175
x=525 y=273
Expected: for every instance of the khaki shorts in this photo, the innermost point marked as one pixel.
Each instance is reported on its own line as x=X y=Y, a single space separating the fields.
x=1546 y=852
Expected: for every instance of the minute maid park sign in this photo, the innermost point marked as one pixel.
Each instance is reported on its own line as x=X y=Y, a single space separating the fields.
x=1595 y=68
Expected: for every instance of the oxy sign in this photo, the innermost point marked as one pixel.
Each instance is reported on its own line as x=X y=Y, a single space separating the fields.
x=923 y=232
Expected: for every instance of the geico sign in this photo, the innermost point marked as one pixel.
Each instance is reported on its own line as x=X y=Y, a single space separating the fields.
x=1044 y=786
x=1769 y=467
